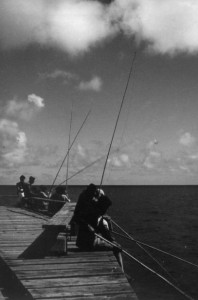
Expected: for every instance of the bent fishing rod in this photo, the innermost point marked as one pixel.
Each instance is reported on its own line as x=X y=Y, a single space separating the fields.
x=141 y=263
x=70 y=148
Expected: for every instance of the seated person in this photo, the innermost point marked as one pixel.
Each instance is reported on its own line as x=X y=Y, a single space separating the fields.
x=43 y=193
x=91 y=219
x=29 y=192
x=20 y=189
x=28 y=188
x=60 y=198
x=85 y=197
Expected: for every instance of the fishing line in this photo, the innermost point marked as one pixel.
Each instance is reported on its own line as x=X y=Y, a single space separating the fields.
x=145 y=266
x=148 y=253
x=67 y=172
x=154 y=248
x=139 y=244
x=122 y=102
x=151 y=256
x=69 y=149
x=160 y=276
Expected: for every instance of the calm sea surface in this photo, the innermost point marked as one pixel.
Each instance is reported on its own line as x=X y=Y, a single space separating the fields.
x=165 y=217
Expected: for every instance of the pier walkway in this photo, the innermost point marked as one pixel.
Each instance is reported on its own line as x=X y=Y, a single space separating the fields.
x=28 y=271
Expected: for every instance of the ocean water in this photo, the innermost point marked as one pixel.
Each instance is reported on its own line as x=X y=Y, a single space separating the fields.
x=165 y=217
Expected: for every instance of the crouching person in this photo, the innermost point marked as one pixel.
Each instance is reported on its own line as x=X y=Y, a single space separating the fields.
x=94 y=228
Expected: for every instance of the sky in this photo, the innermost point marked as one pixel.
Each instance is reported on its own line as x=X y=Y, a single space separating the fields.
x=61 y=60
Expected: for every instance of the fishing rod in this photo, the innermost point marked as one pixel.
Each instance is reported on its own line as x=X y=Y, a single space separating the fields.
x=155 y=248
x=67 y=172
x=141 y=263
x=88 y=166
x=48 y=200
x=121 y=105
x=147 y=252
x=92 y=163
x=69 y=149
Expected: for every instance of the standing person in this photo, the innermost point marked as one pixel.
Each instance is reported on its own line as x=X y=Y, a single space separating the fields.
x=20 y=189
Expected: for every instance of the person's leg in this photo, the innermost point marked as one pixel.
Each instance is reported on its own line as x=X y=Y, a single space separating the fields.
x=101 y=245
x=118 y=256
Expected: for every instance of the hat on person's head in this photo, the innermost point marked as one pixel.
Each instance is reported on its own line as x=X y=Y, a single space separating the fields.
x=22 y=177
x=92 y=188
x=31 y=178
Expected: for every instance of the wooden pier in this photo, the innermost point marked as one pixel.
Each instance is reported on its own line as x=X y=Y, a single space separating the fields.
x=33 y=267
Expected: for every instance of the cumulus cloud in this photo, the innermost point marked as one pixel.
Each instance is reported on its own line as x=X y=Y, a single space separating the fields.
x=38 y=101
x=166 y=26
x=119 y=161
x=58 y=74
x=71 y=25
x=24 y=109
x=94 y=84
x=152 y=159
x=187 y=139
x=13 y=143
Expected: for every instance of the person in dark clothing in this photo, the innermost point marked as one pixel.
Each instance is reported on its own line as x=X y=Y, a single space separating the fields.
x=90 y=217
x=29 y=192
x=84 y=201
x=20 y=189
x=60 y=198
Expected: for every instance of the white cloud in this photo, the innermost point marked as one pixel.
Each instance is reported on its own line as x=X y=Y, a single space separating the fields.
x=24 y=109
x=38 y=101
x=152 y=160
x=94 y=84
x=124 y=158
x=13 y=143
x=119 y=161
x=58 y=74
x=187 y=139
x=72 y=25
x=167 y=26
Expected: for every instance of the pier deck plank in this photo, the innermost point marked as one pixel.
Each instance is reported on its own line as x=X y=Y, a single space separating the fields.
x=77 y=275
